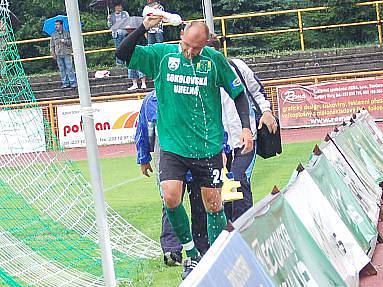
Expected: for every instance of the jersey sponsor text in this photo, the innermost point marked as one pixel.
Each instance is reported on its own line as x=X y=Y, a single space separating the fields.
x=189 y=80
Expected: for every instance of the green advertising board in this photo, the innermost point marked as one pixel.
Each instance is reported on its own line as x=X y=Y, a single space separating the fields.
x=365 y=196
x=355 y=148
x=285 y=248
x=326 y=228
x=343 y=201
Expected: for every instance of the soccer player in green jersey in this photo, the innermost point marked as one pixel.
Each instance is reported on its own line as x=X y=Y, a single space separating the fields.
x=187 y=79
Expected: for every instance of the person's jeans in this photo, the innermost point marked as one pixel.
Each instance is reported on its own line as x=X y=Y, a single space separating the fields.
x=117 y=42
x=135 y=74
x=67 y=74
x=157 y=37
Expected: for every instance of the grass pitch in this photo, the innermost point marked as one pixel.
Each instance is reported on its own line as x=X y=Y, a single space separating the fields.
x=137 y=198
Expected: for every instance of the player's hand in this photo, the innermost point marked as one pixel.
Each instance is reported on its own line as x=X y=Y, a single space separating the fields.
x=145 y=168
x=152 y=21
x=269 y=120
x=54 y=56
x=246 y=141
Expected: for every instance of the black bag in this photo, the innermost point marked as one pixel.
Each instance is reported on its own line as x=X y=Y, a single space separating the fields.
x=268 y=144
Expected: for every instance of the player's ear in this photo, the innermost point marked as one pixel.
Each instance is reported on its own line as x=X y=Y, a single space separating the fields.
x=182 y=34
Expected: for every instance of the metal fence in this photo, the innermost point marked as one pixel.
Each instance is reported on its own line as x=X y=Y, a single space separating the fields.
x=224 y=20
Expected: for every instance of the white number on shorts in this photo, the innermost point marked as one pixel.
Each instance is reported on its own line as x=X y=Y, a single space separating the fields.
x=217 y=176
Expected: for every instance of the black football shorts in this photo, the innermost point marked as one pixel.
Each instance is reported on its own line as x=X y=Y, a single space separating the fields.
x=207 y=172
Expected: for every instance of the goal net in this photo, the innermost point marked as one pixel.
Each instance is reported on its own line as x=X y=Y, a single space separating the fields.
x=48 y=233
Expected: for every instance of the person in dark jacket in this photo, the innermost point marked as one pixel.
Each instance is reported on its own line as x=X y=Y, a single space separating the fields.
x=61 y=51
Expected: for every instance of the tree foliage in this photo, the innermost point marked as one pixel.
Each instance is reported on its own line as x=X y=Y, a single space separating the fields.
x=32 y=14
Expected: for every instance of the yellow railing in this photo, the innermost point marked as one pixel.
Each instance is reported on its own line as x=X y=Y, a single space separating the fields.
x=300 y=29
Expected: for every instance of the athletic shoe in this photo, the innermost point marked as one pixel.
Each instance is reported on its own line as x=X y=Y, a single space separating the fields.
x=173 y=258
x=133 y=87
x=189 y=264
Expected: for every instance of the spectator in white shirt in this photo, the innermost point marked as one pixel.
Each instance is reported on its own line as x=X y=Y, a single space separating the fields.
x=241 y=165
x=155 y=34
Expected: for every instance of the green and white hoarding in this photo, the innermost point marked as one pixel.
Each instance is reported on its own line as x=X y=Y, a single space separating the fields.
x=343 y=201
x=365 y=196
x=326 y=228
x=349 y=142
x=284 y=247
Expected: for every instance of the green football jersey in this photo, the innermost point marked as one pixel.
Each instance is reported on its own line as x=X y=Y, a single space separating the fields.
x=189 y=114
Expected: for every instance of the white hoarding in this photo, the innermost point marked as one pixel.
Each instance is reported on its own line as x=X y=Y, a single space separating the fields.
x=115 y=123
x=22 y=131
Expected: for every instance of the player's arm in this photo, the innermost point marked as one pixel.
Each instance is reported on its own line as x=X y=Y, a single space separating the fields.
x=125 y=51
x=242 y=106
x=128 y=45
x=260 y=96
x=142 y=142
x=232 y=85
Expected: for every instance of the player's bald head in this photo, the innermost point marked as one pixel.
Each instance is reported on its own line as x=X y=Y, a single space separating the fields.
x=197 y=28
x=194 y=38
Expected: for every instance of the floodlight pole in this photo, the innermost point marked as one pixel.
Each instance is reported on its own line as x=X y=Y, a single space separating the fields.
x=91 y=141
x=209 y=15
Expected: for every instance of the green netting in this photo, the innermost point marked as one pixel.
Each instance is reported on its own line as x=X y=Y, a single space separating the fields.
x=5 y=279
x=48 y=233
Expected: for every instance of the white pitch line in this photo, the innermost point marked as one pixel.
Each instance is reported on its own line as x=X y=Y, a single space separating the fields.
x=124 y=182
x=114 y=153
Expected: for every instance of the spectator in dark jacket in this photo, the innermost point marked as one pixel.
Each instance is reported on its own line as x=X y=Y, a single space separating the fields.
x=61 y=51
